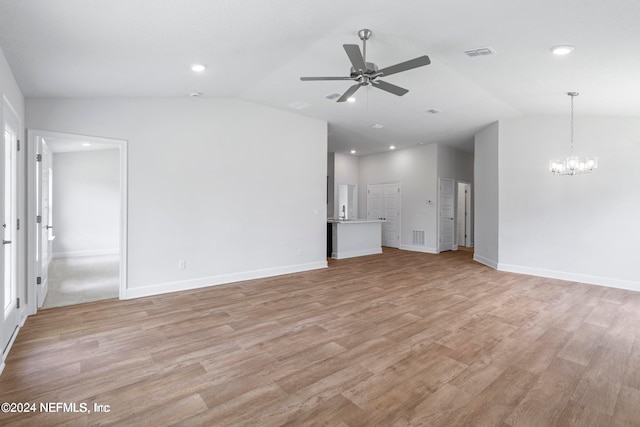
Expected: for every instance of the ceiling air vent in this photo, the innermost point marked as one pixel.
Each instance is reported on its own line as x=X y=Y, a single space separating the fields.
x=481 y=51
x=333 y=96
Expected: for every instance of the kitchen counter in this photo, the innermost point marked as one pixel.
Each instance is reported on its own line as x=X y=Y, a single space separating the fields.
x=355 y=237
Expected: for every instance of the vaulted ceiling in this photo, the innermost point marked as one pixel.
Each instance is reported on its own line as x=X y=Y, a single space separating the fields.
x=256 y=50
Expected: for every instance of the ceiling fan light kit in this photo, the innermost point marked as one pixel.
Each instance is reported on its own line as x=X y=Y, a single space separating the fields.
x=367 y=73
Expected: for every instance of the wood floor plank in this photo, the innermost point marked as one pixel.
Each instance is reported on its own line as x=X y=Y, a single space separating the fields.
x=544 y=403
x=397 y=339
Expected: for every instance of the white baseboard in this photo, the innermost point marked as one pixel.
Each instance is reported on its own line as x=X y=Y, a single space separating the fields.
x=97 y=252
x=4 y=355
x=572 y=277
x=183 y=285
x=485 y=261
x=414 y=248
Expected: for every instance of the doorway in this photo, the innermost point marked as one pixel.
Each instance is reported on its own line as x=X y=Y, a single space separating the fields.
x=79 y=183
x=463 y=217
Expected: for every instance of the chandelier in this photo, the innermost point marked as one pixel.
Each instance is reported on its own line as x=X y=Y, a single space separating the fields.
x=573 y=165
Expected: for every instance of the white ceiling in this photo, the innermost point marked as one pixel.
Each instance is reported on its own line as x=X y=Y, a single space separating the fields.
x=256 y=50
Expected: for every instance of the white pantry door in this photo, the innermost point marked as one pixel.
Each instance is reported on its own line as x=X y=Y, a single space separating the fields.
x=383 y=202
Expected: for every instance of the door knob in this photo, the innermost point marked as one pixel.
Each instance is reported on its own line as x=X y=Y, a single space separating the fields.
x=51 y=226
x=6 y=242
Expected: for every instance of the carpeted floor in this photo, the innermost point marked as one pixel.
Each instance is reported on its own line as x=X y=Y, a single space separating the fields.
x=82 y=279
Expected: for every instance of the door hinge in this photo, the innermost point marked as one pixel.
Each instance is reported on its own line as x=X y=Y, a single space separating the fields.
x=18 y=147
x=39 y=219
x=38 y=280
x=38 y=157
x=18 y=303
x=18 y=223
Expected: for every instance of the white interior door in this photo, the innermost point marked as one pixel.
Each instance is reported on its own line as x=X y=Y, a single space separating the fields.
x=45 y=224
x=383 y=202
x=446 y=219
x=391 y=226
x=8 y=210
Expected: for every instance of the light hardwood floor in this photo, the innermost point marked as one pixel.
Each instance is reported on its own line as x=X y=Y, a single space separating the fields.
x=397 y=339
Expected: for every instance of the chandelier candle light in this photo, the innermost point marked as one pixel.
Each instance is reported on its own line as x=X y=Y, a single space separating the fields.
x=573 y=165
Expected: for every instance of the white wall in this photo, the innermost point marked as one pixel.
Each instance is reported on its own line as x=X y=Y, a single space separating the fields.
x=235 y=189
x=455 y=164
x=86 y=202
x=416 y=169
x=486 y=196
x=582 y=228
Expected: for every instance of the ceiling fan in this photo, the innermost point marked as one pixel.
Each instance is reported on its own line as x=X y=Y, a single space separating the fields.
x=365 y=73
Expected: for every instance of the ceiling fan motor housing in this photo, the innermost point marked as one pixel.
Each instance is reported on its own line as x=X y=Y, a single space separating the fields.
x=371 y=68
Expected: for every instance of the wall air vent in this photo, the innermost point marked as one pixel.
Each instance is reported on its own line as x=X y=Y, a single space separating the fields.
x=481 y=51
x=418 y=237
x=333 y=96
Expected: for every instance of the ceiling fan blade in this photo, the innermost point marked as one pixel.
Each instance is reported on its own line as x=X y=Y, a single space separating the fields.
x=355 y=56
x=348 y=93
x=404 y=66
x=396 y=90
x=307 y=79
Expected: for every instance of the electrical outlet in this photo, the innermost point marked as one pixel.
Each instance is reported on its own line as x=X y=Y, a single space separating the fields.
x=182 y=264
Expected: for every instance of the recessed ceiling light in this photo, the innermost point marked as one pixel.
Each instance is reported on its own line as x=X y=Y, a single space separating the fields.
x=351 y=99
x=377 y=126
x=195 y=94
x=353 y=151
x=392 y=147
x=562 y=49
x=198 y=68
x=86 y=144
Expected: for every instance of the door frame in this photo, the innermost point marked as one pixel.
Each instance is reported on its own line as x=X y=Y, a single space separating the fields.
x=18 y=241
x=469 y=205
x=32 y=226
